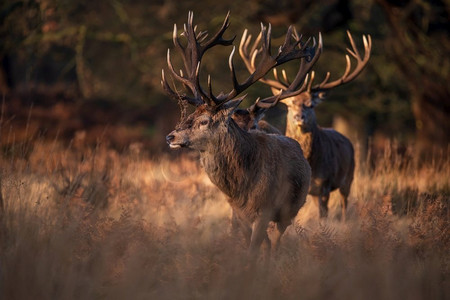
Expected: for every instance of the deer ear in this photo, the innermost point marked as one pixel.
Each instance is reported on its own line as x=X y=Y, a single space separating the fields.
x=229 y=107
x=308 y=102
x=317 y=98
x=287 y=101
x=257 y=112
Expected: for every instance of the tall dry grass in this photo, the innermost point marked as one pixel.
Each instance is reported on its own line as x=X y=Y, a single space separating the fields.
x=95 y=224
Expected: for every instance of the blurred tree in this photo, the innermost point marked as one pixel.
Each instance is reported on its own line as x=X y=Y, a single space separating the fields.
x=281 y=12
x=18 y=19
x=420 y=46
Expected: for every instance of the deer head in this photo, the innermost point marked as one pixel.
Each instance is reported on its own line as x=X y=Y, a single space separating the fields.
x=198 y=129
x=213 y=113
x=301 y=109
x=248 y=119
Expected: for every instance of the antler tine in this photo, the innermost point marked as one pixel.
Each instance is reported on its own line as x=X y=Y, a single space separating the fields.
x=201 y=36
x=282 y=94
x=191 y=81
x=306 y=66
x=348 y=74
x=188 y=61
x=255 y=45
x=300 y=82
x=297 y=36
x=313 y=74
x=166 y=86
x=175 y=95
x=267 y=62
x=179 y=77
x=327 y=77
x=197 y=45
x=278 y=83
x=266 y=35
x=218 y=39
x=243 y=48
x=288 y=51
x=286 y=80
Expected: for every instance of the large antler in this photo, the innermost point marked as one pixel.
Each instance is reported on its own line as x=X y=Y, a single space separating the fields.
x=192 y=55
x=292 y=48
x=196 y=46
x=348 y=76
x=291 y=89
x=286 y=88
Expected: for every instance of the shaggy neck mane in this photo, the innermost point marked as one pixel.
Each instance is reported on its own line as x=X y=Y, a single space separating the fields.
x=230 y=160
x=307 y=140
x=317 y=145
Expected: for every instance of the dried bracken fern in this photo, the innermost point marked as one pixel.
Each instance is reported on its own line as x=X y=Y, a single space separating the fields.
x=165 y=234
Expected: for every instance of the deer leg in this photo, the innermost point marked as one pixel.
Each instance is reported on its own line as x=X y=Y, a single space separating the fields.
x=316 y=201
x=323 y=204
x=267 y=241
x=344 y=202
x=240 y=224
x=280 y=229
x=259 y=233
x=234 y=223
x=247 y=231
x=268 y=249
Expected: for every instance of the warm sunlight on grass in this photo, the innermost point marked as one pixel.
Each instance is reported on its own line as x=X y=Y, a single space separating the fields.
x=84 y=224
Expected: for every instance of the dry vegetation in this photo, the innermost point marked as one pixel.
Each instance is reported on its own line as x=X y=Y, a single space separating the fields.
x=95 y=224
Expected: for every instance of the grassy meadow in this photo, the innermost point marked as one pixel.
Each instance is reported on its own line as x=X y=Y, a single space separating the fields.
x=92 y=223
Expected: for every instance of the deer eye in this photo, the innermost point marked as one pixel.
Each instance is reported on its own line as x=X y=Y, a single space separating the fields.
x=204 y=122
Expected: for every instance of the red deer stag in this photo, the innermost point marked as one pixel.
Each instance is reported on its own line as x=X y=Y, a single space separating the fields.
x=329 y=153
x=266 y=177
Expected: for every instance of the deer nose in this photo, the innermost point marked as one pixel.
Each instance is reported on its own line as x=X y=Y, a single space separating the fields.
x=170 y=138
x=298 y=118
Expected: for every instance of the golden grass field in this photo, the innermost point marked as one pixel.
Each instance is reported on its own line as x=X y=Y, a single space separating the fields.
x=81 y=223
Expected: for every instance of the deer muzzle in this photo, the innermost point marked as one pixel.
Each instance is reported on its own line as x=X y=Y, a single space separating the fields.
x=298 y=119
x=173 y=143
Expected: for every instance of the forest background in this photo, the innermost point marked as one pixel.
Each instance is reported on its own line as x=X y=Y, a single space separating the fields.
x=91 y=70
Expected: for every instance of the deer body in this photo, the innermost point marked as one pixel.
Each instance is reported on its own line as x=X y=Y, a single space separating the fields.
x=262 y=174
x=329 y=153
x=265 y=176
